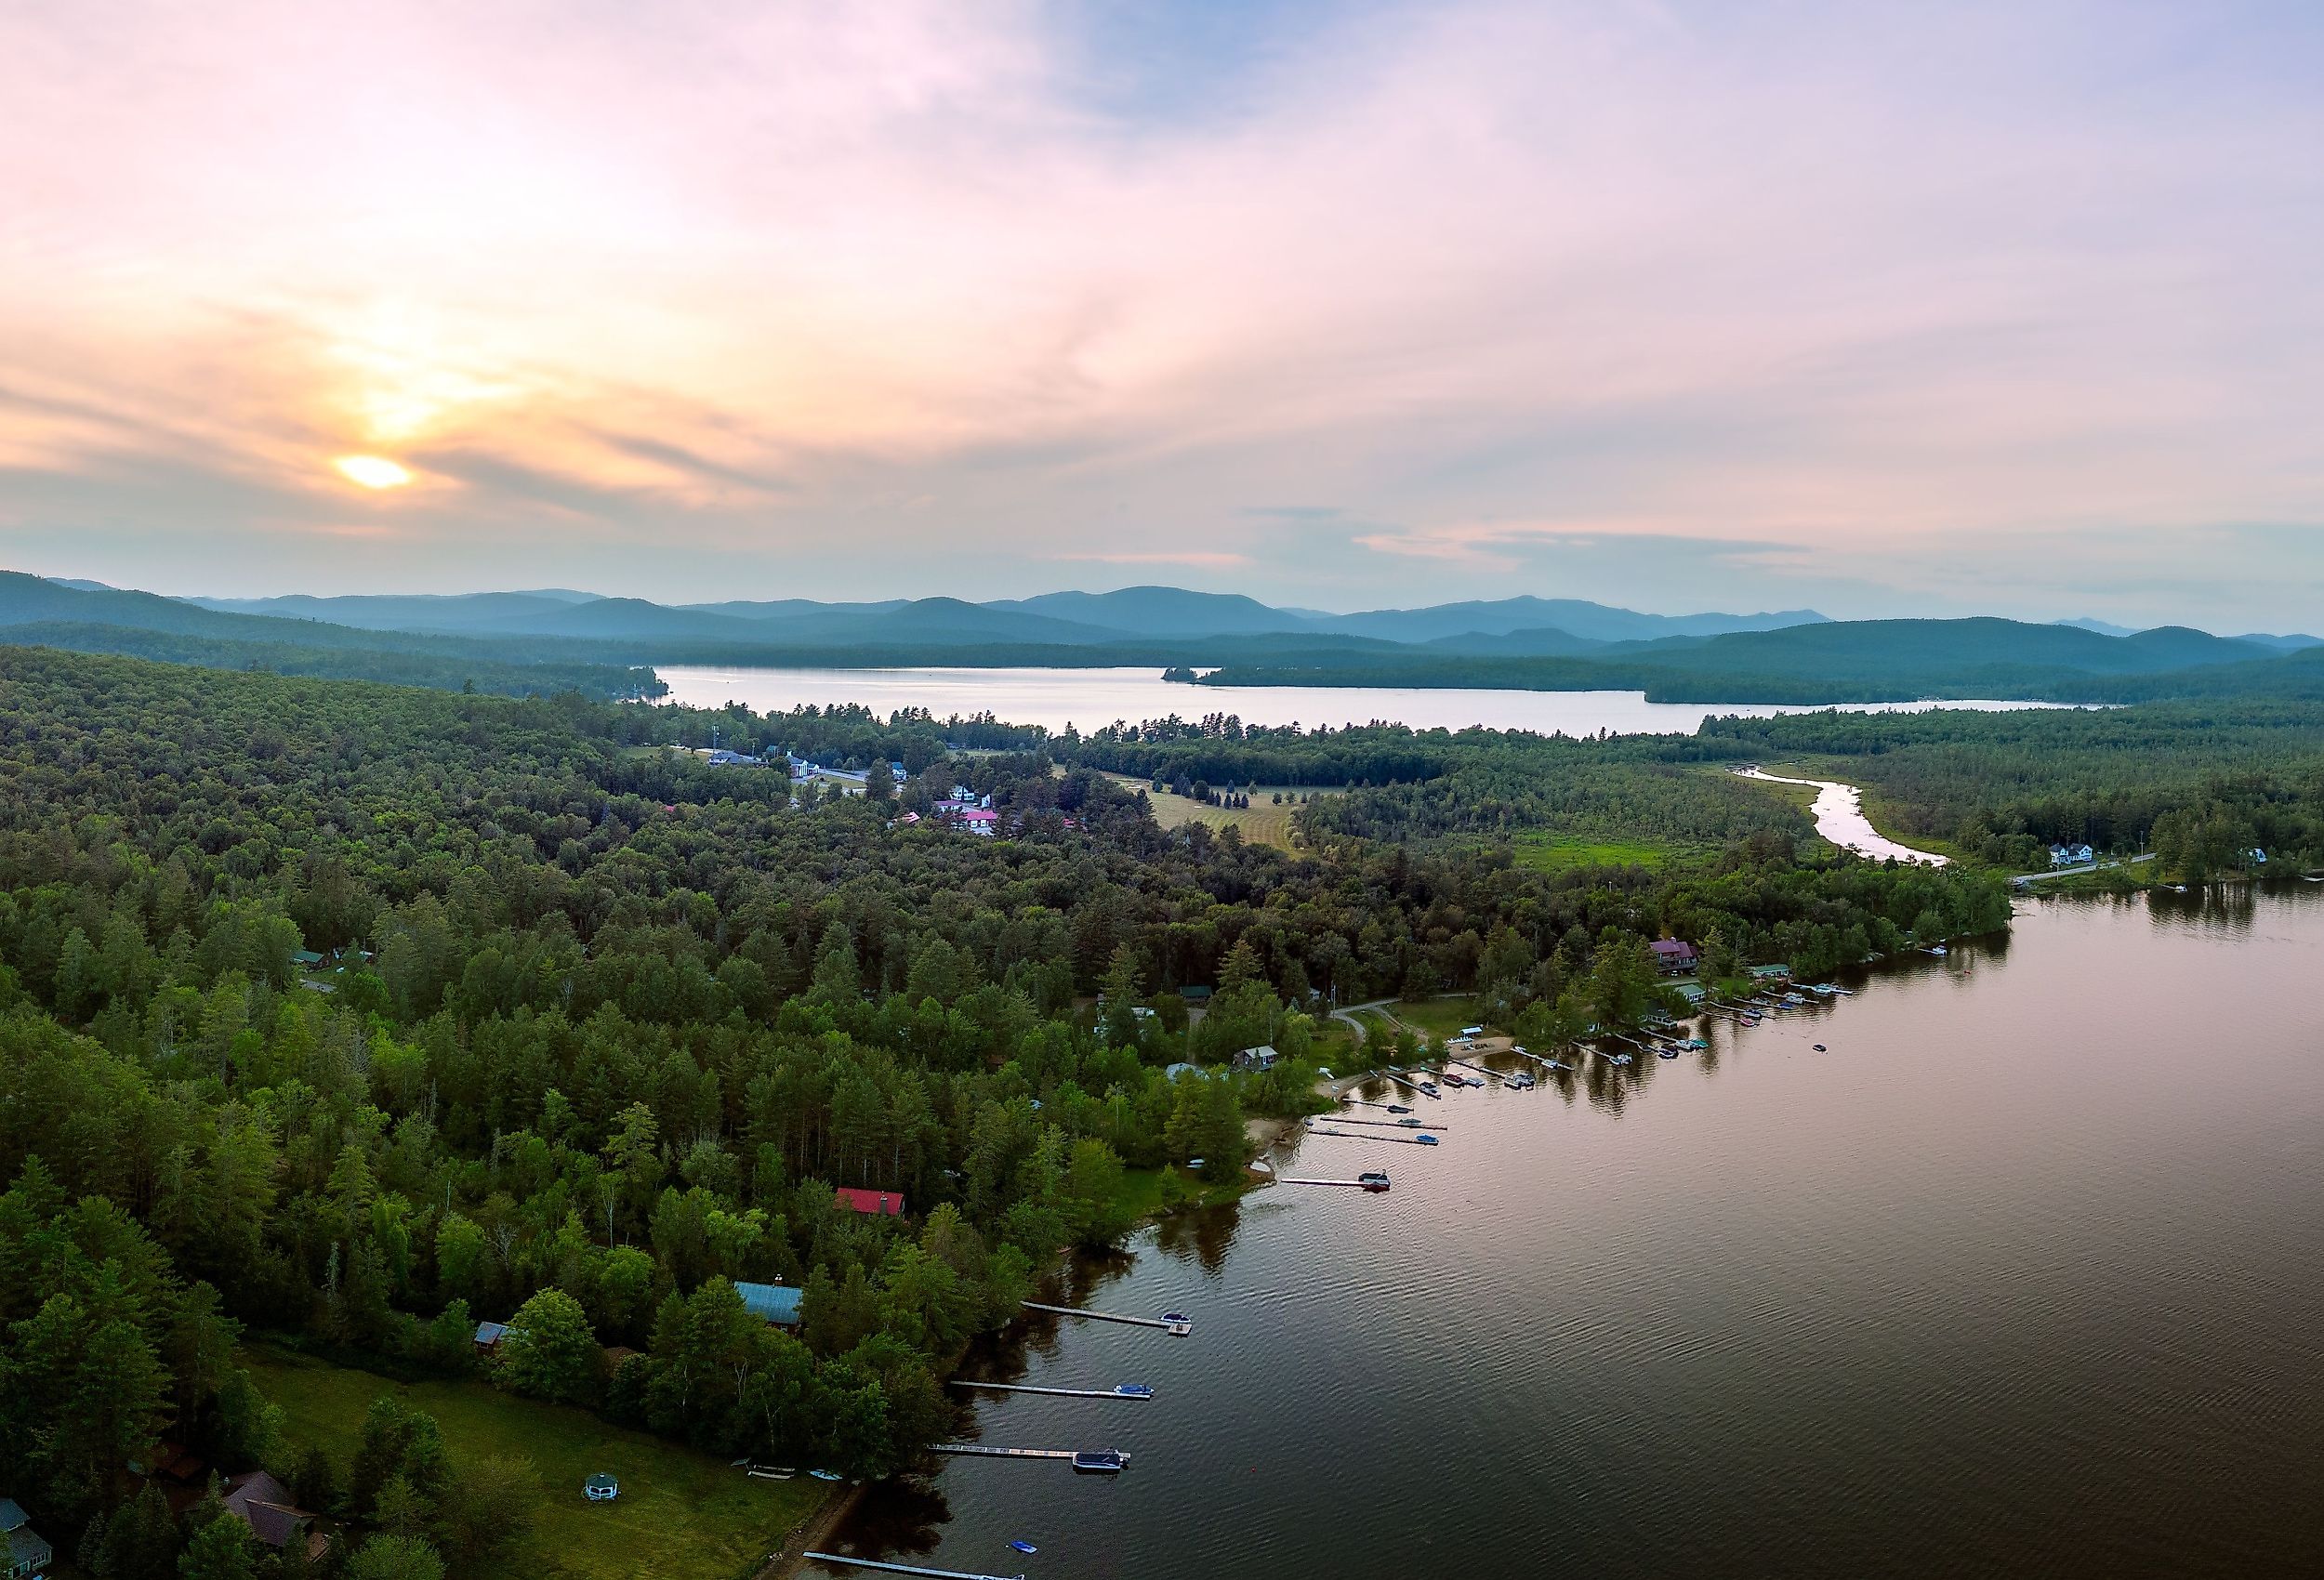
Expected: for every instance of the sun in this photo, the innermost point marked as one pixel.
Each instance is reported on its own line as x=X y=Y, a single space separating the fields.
x=372 y=471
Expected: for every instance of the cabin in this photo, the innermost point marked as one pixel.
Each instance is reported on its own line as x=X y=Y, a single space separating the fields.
x=21 y=1549
x=776 y=1303
x=488 y=1336
x=1674 y=956
x=601 y=1488
x=882 y=1204
x=1194 y=996
x=266 y=1506
x=1255 y=1059
x=307 y=959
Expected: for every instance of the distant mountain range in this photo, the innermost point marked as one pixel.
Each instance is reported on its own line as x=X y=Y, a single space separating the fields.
x=551 y=638
x=1062 y=618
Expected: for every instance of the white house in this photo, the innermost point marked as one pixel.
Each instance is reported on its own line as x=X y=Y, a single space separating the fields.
x=2071 y=855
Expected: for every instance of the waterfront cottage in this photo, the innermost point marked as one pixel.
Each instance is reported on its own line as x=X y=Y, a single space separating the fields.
x=1675 y=957
x=1253 y=1059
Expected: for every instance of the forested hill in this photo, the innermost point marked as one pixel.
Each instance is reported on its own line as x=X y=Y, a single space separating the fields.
x=1858 y=661
x=603 y=1026
x=145 y=626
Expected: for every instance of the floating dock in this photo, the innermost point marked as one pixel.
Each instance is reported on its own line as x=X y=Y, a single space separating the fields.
x=1386 y=1124
x=985 y=1451
x=1353 y=1135
x=1176 y=1330
x=902 y=1568
x=1343 y=1184
x=1056 y=1392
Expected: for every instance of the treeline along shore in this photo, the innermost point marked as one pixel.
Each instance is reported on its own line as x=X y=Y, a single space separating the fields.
x=355 y=1015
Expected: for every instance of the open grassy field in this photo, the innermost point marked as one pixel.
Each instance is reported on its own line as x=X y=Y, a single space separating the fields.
x=680 y=1516
x=1263 y=821
x=1438 y=1017
x=1557 y=853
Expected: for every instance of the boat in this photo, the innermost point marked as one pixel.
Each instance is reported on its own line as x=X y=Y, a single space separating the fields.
x=1619 y=1058
x=826 y=1475
x=1522 y=1083
x=1430 y=1087
x=1372 y=1180
x=1410 y=1124
x=1820 y=1049
x=1669 y=1053
x=1399 y=1107
x=1937 y=950
x=1100 y=1461
x=1023 y=1546
x=1425 y=1141
x=1176 y=1317
x=1133 y=1390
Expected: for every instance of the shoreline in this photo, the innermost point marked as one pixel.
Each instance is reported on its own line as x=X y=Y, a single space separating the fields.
x=812 y=1533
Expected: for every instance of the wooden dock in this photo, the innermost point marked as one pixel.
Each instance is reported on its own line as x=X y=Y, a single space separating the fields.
x=1474 y=1069
x=1353 y=1135
x=1054 y=1392
x=1382 y=1124
x=1176 y=1330
x=1341 y=1184
x=1408 y=1085
x=986 y=1451
x=904 y=1568
x=1545 y=1063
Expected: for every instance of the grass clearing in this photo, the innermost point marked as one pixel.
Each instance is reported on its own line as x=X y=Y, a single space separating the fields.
x=1558 y=852
x=1437 y=1018
x=1263 y=823
x=680 y=1516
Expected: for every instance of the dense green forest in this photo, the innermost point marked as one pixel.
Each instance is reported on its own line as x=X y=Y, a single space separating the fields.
x=605 y=1025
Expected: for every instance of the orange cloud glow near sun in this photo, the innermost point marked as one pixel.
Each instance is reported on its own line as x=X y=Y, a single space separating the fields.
x=372 y=471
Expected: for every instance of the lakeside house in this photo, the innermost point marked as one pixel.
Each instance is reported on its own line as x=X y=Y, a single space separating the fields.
x=1254 y=1059
x=880 y=1204
x=2071 y=855
x=25 y=1552
x=776 y=1303
x=1674 y=956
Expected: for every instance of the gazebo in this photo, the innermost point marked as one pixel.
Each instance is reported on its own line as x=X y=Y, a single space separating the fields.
x=601 y=1488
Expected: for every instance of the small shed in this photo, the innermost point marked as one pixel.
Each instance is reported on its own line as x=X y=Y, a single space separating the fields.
x=601 y=1488
x=489 y=1334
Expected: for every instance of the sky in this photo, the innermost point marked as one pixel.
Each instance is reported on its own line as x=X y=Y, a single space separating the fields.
x=1884 y=310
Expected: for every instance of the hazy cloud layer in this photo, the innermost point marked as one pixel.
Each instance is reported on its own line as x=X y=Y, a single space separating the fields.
x=2013 y=307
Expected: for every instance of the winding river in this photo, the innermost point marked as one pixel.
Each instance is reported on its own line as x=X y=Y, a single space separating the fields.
x=2017 y=1278
x=1839 y=812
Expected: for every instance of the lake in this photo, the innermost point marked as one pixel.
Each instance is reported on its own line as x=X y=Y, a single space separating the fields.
x=1093 y=698
x=2021 y=1277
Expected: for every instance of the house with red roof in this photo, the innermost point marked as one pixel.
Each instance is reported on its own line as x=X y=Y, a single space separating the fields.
x=886 y=1204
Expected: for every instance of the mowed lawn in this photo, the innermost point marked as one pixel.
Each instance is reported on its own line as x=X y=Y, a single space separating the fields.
x=680 y=1516
x=1438 y=1018
x=1263 y=823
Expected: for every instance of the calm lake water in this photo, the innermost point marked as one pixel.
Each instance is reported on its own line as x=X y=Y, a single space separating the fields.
x=1093 y=698
x=2021 y=1277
